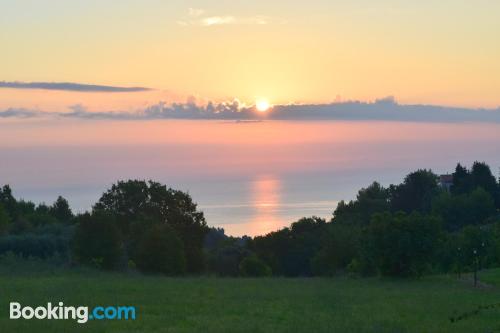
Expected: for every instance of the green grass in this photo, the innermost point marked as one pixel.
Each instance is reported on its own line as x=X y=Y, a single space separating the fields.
x=207 y=304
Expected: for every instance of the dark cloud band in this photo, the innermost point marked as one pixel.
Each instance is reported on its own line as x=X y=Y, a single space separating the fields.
x=69 y=86
x=384 y=109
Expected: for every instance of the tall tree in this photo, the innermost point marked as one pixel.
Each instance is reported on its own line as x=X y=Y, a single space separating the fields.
x=462 y=180
x=137 y=200
x=483 y=177
x=61 y=210
x=415 y=193
x=370 y=200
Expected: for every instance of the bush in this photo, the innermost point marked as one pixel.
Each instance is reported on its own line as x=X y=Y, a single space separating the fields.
x=253 y=266
x=161 y=251
x=33 y=245
x=225 y=261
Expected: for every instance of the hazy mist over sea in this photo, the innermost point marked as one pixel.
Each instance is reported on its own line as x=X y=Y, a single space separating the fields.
x=249 y=178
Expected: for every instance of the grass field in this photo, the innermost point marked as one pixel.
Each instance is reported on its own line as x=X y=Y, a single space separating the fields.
x=255 y=305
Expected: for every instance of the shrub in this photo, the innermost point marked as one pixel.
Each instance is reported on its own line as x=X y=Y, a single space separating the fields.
x=253 y=266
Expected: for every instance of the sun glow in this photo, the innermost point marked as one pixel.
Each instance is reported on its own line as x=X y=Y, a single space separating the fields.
x=262 y=105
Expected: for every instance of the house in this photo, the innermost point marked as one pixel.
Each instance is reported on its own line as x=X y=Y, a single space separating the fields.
x=446 y=181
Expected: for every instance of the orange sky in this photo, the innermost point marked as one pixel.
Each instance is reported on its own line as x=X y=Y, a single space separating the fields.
x=421 y=52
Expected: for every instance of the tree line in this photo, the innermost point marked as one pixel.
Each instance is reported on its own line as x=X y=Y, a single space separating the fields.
x=409 y=229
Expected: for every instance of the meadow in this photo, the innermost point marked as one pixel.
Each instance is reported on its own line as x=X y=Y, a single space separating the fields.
x=210 y=304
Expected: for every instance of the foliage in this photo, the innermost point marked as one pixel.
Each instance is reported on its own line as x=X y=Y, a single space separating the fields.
x=289 y=251
x=401 y=244
x=98 y=239
x=464 y=209
x=4 y=220
x=61 y=210
x=33 y=245
x=370 y=200
x=339 y=247
x=137 y=200
x=252 y=266
x=415 y=193
x=161 y=251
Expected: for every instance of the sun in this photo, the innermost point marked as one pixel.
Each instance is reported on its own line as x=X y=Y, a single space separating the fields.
x=262 y=105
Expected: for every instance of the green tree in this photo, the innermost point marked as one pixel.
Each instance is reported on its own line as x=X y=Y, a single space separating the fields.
x=370 y=200
x=462 y=180
x=339 y=246
x=137 y=200
x=161 y=251
x=252 y=266
x=460 y=210
x=4 y=220
x=289 y=251
x=415 y=193
x=482 y=177
x=8 y=201
x=97 y=240
x=401 y=244
x=61 y=210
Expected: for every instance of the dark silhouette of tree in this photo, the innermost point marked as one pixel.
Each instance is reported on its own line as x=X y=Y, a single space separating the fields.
x=415 y=193
x=462 y=180
x=289 y=251
x=137 y=200
x=161 y=251
x=97 y=240
x=61 y=210
x=370 y=200
x=482 y=177
x=4 y=220
x=339 y=246
x=252 y=266
x=465 y=209
x=8 y=201
x=401 y=244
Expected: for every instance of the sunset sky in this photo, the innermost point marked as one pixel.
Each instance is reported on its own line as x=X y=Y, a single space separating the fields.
x=437 y=52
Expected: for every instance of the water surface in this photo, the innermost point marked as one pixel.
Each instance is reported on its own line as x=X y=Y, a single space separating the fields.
x=249 y=178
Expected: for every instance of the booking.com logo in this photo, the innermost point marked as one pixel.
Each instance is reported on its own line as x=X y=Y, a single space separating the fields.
x=81 y=313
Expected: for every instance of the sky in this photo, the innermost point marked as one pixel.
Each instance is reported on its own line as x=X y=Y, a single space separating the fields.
x=421 y=52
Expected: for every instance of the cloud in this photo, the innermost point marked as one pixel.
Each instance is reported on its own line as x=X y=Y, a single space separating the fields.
x=19 y=113
x=217 y=20
x=385 y=109
x=195 y=12
x=197 y=17
x=69 y=86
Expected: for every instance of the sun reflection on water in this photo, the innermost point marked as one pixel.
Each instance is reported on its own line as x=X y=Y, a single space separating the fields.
x=265 y=198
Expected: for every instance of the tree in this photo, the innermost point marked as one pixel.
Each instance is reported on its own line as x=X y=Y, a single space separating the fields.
x=252 y=266
x=482 y=177
x=339 y=246
x=8 y=201
x=460 y=210
x=462 y=180
x=137 y=200
x=97 y=240
x=370 y=200
x=61 y=210
x=225 y=260
x=401 y=244
x=161 y=251
x=415 y=193
x=289 y=251
x=4 y=220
